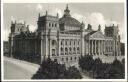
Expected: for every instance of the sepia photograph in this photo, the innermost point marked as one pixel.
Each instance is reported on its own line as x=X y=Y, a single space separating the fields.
x=64 y=41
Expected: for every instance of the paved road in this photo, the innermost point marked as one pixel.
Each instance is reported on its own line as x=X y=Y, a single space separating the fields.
x=15 y=71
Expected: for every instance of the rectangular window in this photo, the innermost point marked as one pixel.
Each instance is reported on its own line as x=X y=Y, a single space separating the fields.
x=53 y=52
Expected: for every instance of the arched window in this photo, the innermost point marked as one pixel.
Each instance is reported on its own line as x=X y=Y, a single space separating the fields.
x=67 y=59
x=53 y=42
x=62 y=42
x=49 y=24
x=74 y=50
x=70 y=50
x=55 y=24
x=78 y=50
x=62 y=51
x=66 y=51
x=65 y=42
x=70 y=42
x=75 y=58
x=71 y=58
x=53 y=52
x=74 y=42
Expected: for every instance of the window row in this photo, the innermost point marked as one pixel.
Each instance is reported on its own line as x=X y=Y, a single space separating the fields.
x=70 y=51
x=70 y=42
x=52 y=24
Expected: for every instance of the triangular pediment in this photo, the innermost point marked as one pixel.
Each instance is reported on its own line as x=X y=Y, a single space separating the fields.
x=97 y=35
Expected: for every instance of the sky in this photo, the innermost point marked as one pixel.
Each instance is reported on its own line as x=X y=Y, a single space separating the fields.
x=89 y=13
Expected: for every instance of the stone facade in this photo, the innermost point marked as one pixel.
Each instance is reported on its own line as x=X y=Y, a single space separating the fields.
x=62 y=39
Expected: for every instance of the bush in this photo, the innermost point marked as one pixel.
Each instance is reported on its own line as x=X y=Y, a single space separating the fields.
x=103 y=70
x=52 y=70
x=111 y=71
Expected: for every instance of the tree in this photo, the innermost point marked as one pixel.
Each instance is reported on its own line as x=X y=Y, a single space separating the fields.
x=74 y=73
x=52 y=70
x=111 y=71
x=86 y=62
x=118 y=67
x=103 y=71
x=96 y=66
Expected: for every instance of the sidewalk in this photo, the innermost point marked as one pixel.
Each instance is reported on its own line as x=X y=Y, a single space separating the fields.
x=16 y=65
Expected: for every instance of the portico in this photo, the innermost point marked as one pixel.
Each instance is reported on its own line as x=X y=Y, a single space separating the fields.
x=96 y=43
x=97 y=47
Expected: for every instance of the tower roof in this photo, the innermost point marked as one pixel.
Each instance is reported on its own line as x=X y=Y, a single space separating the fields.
x=68 y=20
x=67 y=11
x=99 y=27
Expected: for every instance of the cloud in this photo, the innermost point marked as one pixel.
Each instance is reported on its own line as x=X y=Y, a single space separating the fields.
x=122 y=31
x=21 y=21
x=16 y=20
x=32 y=28
x=79 y=17
x=95 y=19
x=6 y=32
x=59 y=11
x=111 y=22
x=39 y=7
x=54 y=12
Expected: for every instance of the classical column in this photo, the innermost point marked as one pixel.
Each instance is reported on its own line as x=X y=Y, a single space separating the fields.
x=63 y=44
x=101 y=50
x=58 y=47
x=92 y=47
x=89 y=47
x=99 y=47
x=41 y=50
x=95 y=47
x=103 y=46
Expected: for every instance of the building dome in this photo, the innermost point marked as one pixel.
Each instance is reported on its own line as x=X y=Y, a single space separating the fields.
x=68 y=20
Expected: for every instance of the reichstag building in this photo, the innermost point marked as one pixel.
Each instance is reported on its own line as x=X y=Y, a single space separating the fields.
x=63 y=39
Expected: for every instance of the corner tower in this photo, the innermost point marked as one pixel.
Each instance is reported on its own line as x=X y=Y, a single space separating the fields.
x=47 y=26
x=16 y=29
x=113 y=32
